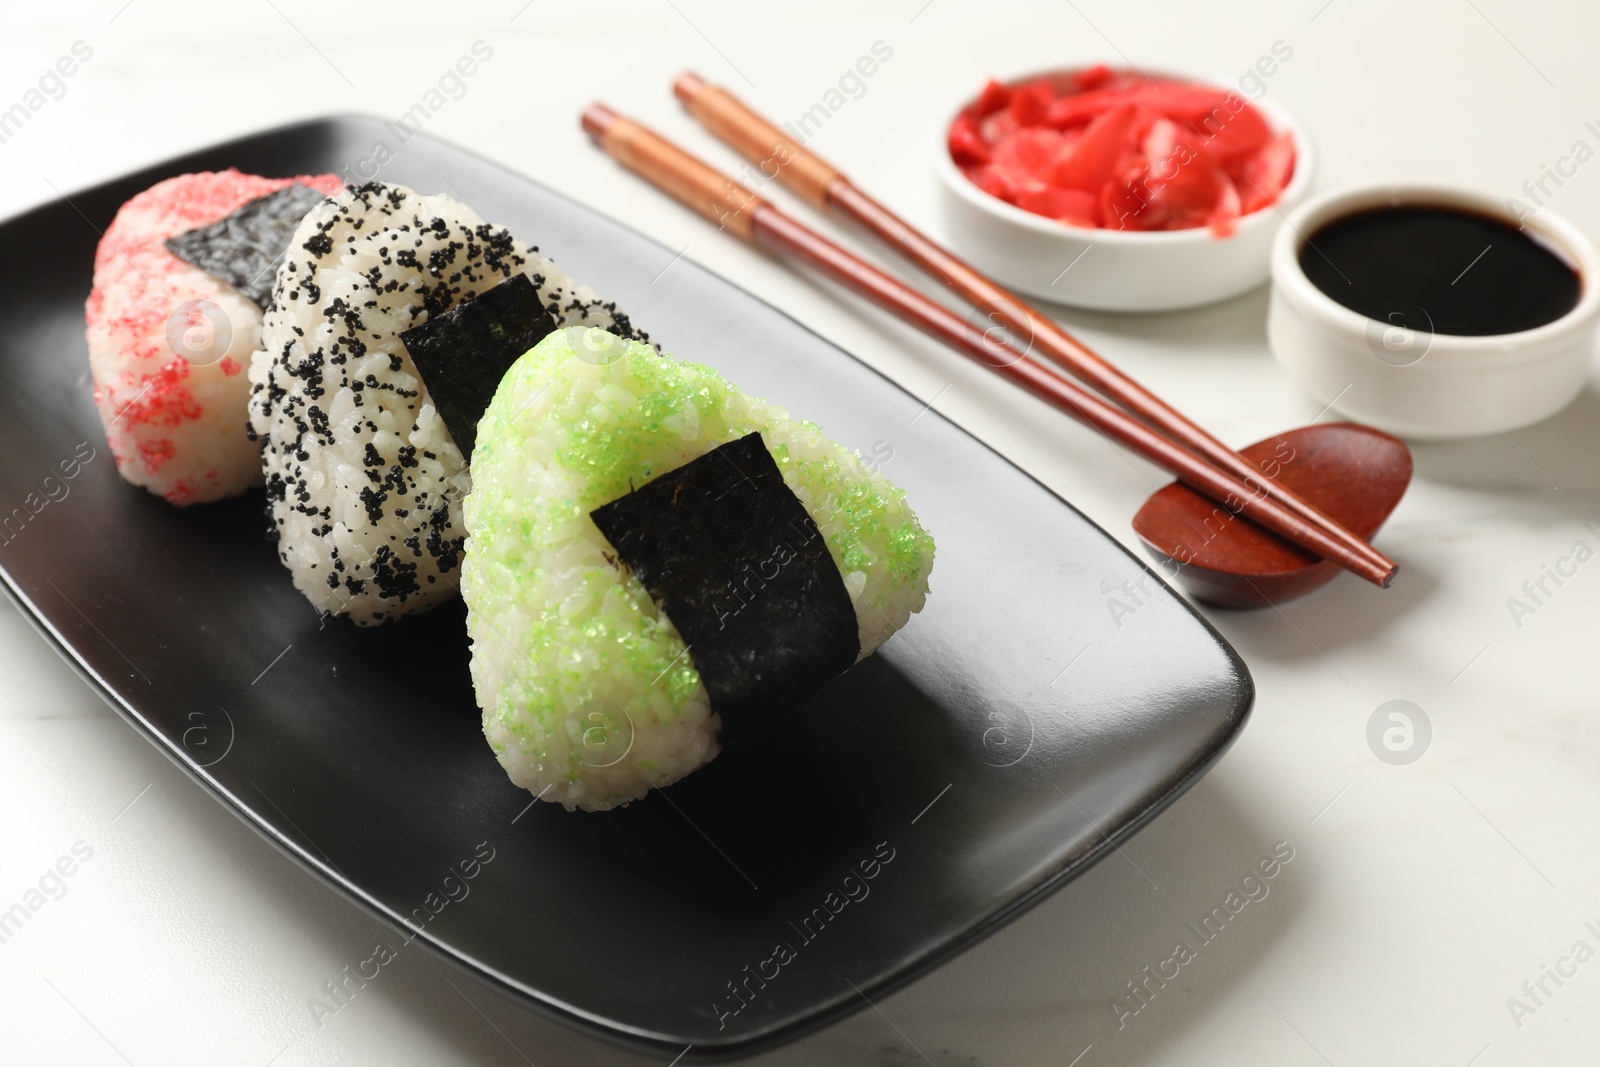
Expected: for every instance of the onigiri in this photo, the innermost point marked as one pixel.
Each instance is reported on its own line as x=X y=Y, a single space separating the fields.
x=590 y=694
x=364 y=480
x=169 y=342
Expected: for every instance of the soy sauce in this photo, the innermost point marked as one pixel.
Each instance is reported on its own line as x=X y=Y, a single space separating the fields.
x=1440 y=270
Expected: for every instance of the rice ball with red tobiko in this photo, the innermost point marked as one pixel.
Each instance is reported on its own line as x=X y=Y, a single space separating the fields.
x=169 y=340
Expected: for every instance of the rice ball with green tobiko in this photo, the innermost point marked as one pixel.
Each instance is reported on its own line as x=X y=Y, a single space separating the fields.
x=590 y=694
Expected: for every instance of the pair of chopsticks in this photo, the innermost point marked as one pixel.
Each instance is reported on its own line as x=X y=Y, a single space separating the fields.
x=1189 y=453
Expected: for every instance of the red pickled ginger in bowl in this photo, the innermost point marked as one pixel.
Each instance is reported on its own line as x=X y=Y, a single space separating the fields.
x=1116 y=150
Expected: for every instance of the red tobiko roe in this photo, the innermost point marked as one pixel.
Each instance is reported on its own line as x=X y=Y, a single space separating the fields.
x=1115 y=150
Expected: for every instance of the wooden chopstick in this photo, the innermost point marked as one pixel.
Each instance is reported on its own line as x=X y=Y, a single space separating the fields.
x=734 y=208
x=808 y=175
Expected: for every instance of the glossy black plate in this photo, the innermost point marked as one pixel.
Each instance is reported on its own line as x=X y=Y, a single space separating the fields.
x=991 y=751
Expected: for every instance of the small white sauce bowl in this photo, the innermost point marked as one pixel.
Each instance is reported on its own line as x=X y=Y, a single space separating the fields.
x=1116 y=270
x=1429 y=386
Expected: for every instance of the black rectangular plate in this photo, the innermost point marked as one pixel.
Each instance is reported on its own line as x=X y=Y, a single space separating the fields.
x=999 y=745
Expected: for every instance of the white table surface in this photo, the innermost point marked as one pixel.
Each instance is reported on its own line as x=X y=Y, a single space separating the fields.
x=1420 y=898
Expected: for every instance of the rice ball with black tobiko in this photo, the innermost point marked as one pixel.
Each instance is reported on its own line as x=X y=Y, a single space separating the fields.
x=364 y=478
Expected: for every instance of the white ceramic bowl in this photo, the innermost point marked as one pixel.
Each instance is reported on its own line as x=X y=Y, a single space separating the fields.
x=1115 y=270
x=1418 y=384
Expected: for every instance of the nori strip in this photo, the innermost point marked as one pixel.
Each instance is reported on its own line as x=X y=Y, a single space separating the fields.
x=730 y=555
x=245 y=248
x=463 y=353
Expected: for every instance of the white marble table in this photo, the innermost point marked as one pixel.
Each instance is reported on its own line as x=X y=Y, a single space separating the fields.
x=1420 y=897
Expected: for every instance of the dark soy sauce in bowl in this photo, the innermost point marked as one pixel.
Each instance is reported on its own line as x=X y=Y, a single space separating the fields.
x=1440 y=270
